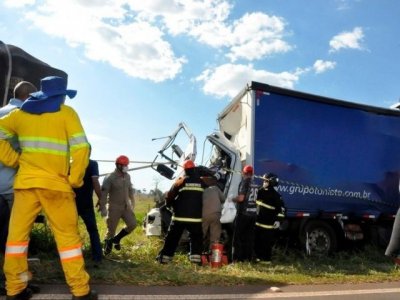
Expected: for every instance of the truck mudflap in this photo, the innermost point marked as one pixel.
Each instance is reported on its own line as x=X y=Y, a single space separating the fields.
x=16 y=65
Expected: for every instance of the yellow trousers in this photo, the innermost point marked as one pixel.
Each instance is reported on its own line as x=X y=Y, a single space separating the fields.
x=60 y=210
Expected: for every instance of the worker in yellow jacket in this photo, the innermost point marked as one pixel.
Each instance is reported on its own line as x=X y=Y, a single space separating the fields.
x=53 y=158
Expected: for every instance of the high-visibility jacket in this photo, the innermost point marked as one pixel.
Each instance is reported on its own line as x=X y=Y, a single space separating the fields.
x=7 y=174
x=54 y=154
x=270 y=207
x=186 y=198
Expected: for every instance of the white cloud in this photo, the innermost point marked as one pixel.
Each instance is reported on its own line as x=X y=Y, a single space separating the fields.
x=180 y=17
x=257 y=35
x=133 y=35
x=18 y=3
x=321 y=66
x=346 y=4
x=251 y=37
x=227 y=80
x=347 y=40
x=137 y=48
x=343 y=4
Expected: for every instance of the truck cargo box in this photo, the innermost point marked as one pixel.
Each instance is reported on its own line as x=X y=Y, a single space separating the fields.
x=331 y=156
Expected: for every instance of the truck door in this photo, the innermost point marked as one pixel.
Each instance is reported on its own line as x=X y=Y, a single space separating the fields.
x=172 y=151
x=222 y=157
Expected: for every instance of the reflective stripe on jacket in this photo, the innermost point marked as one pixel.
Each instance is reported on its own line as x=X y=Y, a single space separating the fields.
x=260 y=203
x=55 y=151
x=265 y=226
x=270 y=206
x=186 y=197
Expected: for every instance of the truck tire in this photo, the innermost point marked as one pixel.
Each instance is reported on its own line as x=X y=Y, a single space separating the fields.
x=319 y=238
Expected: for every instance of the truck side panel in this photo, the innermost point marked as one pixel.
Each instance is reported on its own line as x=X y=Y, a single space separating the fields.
x=330 y=158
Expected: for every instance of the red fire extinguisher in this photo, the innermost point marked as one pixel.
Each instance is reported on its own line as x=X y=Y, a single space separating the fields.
x=217 y=251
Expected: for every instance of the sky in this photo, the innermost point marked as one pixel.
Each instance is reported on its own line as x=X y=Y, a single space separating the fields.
x=142 y=67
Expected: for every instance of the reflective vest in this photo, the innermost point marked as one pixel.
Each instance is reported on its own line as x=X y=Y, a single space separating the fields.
x=54 y=149
x=269 y=206
x=188 y=200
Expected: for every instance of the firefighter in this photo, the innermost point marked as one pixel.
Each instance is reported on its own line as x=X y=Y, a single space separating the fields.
x=185 y=198
x=270 y=211
x=243 y=235
x=117 y=191
x=53 y=158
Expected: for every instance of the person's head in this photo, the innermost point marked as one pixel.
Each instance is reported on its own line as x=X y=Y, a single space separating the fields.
x=122 y=163
x=248 y=171
x=23 y=90
x=270 y=180
x=189 y=167
x=51 y=96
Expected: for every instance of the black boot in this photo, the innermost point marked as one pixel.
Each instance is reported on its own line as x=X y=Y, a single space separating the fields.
x=92 y=295
x=117 y=239
x=26 y=294
x=107 y=246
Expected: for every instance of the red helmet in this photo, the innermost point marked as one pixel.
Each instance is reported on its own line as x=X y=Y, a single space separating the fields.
x=122 y=160
x=188 y=164
x=248 y=169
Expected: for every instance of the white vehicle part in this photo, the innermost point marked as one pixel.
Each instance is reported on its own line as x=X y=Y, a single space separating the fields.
x=153 y=222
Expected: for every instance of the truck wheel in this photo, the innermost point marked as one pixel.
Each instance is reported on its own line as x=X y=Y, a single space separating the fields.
x=319 y=238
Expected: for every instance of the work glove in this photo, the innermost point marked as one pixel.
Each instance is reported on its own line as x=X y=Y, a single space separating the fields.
x=277 y=224
x=170 y=208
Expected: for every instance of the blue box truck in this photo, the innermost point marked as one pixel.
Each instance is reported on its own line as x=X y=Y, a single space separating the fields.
x=338 y=162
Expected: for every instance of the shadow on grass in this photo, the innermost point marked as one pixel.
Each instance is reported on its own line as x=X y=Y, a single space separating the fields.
x=135 y=265
x=141 y=269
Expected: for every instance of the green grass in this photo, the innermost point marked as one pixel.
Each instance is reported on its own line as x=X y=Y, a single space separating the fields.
x=135 y=263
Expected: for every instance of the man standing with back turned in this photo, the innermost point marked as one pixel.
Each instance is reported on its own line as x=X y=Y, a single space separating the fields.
x=185 y=197
x=7 y=174
x=54 y=155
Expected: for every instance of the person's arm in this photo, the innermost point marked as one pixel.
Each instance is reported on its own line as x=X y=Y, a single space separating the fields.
x=9 y=157
x=95 y=182
x=97 y=190
x=131 y=194
x=244 y=186
x=79 y=149
x=105 y=188
x=173 y=192
x=239 y=198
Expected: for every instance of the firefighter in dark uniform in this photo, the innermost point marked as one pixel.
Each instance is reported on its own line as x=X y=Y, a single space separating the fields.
x=243 y=235
x=271 y=210
x=185 y=198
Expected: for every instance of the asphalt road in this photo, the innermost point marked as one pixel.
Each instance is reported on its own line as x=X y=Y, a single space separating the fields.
x=375 y=291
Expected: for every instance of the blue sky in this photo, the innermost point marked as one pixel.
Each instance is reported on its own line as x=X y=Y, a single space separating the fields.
x=141 y=67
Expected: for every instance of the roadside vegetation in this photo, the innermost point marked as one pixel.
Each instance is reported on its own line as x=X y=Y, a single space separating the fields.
x=135 y=264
